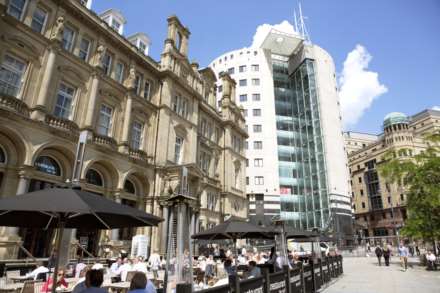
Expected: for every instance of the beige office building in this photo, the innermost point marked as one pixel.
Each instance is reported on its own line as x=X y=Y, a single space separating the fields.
x=67 y=72
x=379 y=207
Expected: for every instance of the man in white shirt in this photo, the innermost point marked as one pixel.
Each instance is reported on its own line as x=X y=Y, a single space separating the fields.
x=430 y=257
x=39 y=270
x=139 y=265
x=124 y=269
x=155 y=262
x=79 y=267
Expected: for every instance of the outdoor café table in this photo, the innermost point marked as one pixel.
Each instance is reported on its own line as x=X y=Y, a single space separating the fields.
x=122 y=286
x=11 y=287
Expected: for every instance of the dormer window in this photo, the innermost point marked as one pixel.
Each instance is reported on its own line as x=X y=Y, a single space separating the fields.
x=141 y=41
x=86 y=3
x=114 y=19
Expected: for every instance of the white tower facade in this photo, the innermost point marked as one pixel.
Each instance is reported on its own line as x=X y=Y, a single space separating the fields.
x=297 y=165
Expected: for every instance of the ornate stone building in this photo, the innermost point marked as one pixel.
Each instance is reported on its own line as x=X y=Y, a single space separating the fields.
x=67 y=75
x=380 y=207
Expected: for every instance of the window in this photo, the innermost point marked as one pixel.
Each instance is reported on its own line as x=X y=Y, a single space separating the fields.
x=48 y=165
x=256 y=97
x=178 y=147
x=115 y=25
x=179 y=105
x=11 y=76
x=363 y=205
x=142 y=47
x=255 y=67
x=63 y=107
x=242 y=82
x=129 y=187
x=255 y=81
x=242 y=68
x=119 y=72
x=38 y=20
x=236 y=143
x=136 y=135
x=360 y=179
x=147 y=90
x=231 y=70
x=68 y=38
x=256 y=112
x=105 y=120
x=84 y=48
x=246 y=145
x=220 y=88
x=257 y=128
x=402 y=197
x=362 y=192
x=247 y=180
x=107 y=63
x=137 y=84
x=245 y=112
x=258 y=145
x=259 y=180
x=16 y=8
x=204 y=161
x=243 y=98
x=93 y=177
x=258 y=162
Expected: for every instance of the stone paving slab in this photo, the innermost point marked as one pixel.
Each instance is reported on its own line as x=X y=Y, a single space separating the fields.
x=363 y=275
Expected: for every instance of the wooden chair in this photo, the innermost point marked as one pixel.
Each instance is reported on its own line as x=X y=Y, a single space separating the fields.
x=130 y=275
x=38 y=286
x=28 y=287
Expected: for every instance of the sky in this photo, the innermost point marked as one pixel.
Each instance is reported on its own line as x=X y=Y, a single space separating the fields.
x=386 y=53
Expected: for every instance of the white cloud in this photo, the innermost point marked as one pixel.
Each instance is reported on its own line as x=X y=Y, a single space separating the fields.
x=264 y=29
x=437 y=108
x=358 y=86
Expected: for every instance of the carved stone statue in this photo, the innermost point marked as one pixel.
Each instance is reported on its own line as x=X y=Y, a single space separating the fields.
x=100 y=52
x=131 y=80
x=58 y=31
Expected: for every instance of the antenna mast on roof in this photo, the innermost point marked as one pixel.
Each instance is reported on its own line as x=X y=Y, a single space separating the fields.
x=301 y=26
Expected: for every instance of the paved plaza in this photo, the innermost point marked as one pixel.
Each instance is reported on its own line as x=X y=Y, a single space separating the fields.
x=363 y=275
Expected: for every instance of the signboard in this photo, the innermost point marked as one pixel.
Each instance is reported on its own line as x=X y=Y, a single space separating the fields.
x=253 y=285
x=285 y=190
x=277 y=283
x=84 y=241
x=295 y=281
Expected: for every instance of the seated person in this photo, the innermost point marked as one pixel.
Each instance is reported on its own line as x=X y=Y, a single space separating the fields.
x=81 y=284
x=79 y=267
x=61 y=282
x=94 y=280
x=430 y=258
x=140 y=284
x=41 y=269
x=254 y=271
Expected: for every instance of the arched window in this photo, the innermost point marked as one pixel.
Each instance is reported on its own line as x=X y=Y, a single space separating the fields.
x=93 y=177
x=47 y=165
x=2 y=156
x=129 y=187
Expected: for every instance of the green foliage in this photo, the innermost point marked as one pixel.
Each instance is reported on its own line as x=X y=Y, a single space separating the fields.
x=421 y=177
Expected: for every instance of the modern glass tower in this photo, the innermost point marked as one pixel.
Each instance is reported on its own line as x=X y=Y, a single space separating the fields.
x=297 y=164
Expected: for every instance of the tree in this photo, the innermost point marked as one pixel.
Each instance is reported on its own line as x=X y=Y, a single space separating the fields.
x=421 y=177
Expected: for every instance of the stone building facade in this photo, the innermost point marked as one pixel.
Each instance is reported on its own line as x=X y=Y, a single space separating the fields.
x=67 y=74
x=379 y=207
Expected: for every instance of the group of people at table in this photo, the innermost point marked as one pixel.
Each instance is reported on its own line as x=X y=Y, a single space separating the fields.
x=90 y=279
x=212 y=271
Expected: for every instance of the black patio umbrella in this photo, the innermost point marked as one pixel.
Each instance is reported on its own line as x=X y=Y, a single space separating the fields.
x=69 y=208
x=234 y=229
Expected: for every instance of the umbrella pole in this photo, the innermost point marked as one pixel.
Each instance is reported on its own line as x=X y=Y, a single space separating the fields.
x=61 y=224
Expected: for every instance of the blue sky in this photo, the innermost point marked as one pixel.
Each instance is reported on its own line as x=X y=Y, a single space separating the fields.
x=401 y=36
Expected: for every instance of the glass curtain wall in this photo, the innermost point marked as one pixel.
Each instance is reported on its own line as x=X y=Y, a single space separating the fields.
x=304 y=197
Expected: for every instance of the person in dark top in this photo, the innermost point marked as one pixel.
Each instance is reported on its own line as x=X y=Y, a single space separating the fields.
x=387 y=255
x=379 y=254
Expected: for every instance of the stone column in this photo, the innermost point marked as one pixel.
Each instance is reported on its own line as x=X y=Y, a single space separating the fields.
x=115 y=232
x=184 y=45
x=92 y=101
x=23 y=185
x=164 y=232
x=40 y=108
x=127 y=119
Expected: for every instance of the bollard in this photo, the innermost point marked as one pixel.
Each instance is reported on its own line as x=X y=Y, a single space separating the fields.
x=301 y=272
x=320 y=273
x=287 y=277
x=312 y=266
x=265 y=273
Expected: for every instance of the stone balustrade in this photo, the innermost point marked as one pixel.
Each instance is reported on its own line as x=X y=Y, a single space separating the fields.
x=13 y=104
x=138 y=154
x=61 y=123
x=104 y=140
